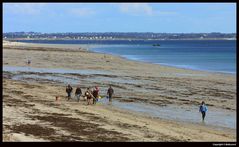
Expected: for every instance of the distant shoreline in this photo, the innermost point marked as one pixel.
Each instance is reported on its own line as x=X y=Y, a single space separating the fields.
x=130 y=39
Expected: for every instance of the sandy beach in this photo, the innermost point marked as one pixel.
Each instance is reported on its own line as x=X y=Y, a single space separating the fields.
x=30 y=112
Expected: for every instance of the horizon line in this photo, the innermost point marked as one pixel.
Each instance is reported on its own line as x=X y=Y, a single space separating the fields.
x=124 y=32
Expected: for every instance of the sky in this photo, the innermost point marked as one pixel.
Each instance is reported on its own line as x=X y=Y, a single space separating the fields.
x=120 y=17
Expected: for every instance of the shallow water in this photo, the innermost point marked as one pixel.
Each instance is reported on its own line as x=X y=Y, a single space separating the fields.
x=214 y=117
x=186 y=75
x=59 y=75
x=52 y=70
x=55 y=78
x=115 y=80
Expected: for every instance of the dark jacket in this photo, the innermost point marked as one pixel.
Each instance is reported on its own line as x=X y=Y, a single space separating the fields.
x=69 y=89
x=95 y=93
x=78 y=91
x=110 y=91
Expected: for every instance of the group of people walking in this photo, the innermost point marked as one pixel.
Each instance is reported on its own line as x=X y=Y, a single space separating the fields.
x=93 y=95
x=90 y=95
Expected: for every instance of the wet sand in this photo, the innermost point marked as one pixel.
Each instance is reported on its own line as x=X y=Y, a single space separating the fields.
x=30 y=99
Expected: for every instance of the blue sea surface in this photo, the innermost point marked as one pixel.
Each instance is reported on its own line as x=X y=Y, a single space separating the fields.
x=215 y=56
x=205 y=55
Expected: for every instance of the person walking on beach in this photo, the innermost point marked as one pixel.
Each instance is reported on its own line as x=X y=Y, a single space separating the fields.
x=203 y=109
x=78 y=93
x=88 y=95
x=95 y=94
x=28 y=61
x=68 y=91
x=110 y=93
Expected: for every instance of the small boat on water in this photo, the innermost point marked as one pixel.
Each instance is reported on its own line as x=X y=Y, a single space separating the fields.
x=156 y=44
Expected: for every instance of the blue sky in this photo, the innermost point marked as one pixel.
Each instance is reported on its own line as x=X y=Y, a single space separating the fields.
x=120 y=17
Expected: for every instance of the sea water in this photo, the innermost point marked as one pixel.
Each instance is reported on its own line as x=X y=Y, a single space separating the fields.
x=205 y=55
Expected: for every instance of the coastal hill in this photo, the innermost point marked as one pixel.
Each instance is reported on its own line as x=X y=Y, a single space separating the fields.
x=121 y=36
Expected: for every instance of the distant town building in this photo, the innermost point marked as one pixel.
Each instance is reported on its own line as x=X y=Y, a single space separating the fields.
x=120 y=35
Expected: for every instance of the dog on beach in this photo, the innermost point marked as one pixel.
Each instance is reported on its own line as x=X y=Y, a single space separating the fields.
x=57 y=98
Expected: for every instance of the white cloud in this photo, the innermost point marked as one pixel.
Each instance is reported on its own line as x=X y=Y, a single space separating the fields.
x=24 y=8
x=142 y=9
x=136 y=8
x=81 y=11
